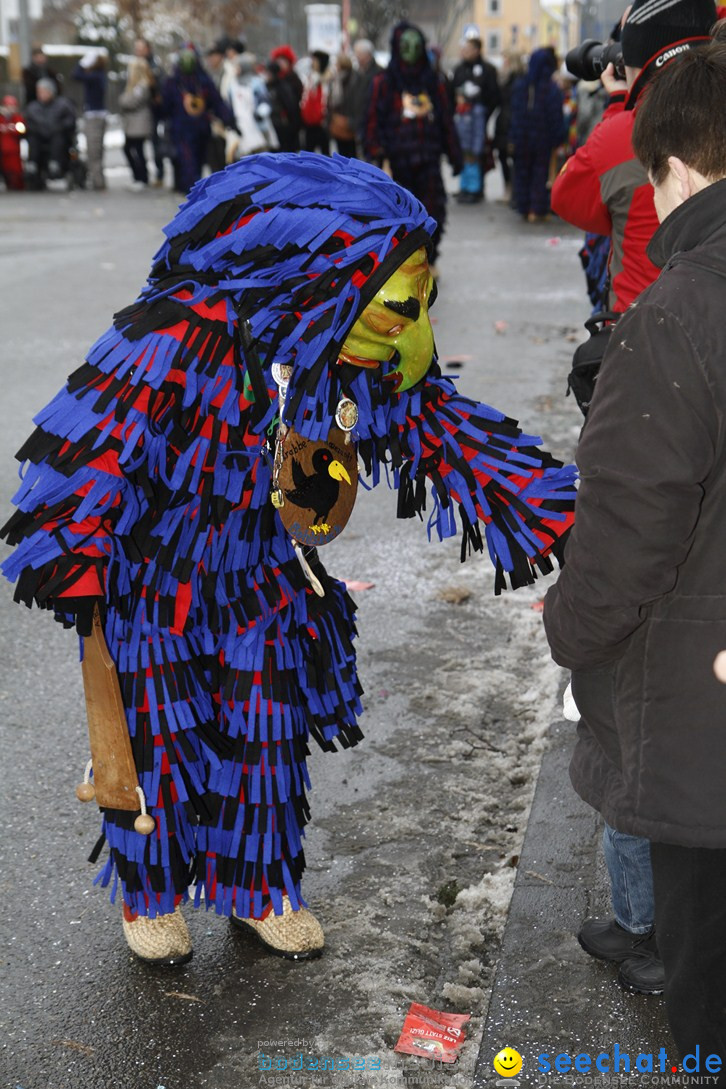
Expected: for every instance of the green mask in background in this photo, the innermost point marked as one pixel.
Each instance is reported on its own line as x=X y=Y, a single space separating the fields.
x=188 y=61
x=397 y=320
x=410 y=46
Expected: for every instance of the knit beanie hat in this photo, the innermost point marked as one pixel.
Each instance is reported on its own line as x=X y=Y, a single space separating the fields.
x=653 y=25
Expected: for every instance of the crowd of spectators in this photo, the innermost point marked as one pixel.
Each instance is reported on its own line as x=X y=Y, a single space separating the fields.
x=206 y=108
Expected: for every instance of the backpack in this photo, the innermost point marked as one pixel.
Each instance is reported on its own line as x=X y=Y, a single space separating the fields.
x=588 y=357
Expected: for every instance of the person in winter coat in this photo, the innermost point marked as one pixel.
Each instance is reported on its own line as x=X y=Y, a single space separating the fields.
x=137 y=118
x=639 y=611
x=38 y=69
x=91 y=73
x=217 y=67
x=605 y=189
x=189 y=101
x=537 y=127
x=477 y=93
x=344 y=106
x=410 y=124
x=285 y=106
x=592 y=101
x=252 y=109
x=314 y=104
x=367 y=68
x=50 y=122
x=285 y=89
x=143 y=48
x=12 y=131
x=514 y=67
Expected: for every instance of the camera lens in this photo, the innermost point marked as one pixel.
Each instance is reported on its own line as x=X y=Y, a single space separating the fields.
x=590 y=59
x=579 y=60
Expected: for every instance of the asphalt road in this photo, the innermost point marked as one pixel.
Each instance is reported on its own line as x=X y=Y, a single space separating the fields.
x=459 y=696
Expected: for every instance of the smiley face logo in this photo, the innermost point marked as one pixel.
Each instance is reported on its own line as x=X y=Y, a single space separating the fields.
x=508 y=1062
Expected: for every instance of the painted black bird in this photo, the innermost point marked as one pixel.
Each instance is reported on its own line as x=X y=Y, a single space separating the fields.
x=319 y=491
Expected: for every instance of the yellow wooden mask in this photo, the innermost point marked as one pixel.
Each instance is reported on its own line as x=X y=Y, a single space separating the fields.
x=395 y=325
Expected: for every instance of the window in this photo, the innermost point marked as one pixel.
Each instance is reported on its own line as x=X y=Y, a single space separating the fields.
x=494 y=41
x=494 y=7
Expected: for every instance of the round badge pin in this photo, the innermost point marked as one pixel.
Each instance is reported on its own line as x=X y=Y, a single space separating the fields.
x=281 y=373
x=346 y=414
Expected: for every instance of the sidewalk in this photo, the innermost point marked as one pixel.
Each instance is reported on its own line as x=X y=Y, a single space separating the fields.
x=549 y=997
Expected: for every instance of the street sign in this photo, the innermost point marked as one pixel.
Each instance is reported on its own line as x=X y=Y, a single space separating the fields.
x=324 y=28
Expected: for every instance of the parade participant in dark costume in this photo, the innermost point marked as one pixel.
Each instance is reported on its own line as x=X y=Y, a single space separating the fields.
x=537 y=127
x=410 y=124
x=173 y=490
x=189 y=100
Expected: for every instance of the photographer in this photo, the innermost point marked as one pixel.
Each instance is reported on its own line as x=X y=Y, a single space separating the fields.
x=603 y=188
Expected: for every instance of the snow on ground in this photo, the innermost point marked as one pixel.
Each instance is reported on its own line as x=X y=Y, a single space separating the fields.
x=463 y=736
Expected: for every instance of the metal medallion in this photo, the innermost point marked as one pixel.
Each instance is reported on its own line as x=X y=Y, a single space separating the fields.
x=281 y=373
x=346 y=414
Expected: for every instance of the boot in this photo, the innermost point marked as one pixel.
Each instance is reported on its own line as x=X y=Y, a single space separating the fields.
x=607 y=940
x=643 y=972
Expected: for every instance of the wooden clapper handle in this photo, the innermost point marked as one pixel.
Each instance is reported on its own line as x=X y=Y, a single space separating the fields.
x=114 y=772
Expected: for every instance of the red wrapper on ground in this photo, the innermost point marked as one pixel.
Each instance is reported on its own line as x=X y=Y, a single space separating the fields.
x=432 y=1034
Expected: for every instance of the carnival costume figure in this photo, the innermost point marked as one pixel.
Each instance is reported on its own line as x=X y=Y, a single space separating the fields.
x=189 y=99
x=410 y=124
x=173 y=492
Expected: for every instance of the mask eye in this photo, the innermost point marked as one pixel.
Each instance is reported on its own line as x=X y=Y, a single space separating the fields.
x=410 y=308
x=434 y=294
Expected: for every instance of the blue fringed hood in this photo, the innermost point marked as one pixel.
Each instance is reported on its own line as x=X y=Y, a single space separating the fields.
x=295 y=245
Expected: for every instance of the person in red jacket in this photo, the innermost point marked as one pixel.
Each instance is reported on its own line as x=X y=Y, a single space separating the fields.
x=12 y=130
x=603 y=188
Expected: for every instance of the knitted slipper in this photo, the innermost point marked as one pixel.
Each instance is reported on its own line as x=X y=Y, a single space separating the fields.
x=163 y=940
x=295 y=935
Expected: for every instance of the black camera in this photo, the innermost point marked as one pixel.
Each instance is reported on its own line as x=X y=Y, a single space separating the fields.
x=589 y=59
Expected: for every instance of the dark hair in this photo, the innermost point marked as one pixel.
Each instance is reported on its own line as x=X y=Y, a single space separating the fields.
x=718 y=31
x=682 y=113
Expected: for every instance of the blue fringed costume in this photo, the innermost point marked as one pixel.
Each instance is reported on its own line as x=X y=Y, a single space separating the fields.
x=146 y=487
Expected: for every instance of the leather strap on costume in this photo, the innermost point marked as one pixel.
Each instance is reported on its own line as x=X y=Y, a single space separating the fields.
x=114 y=773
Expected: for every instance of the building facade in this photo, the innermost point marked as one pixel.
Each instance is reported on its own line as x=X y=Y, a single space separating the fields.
x=512 y=26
